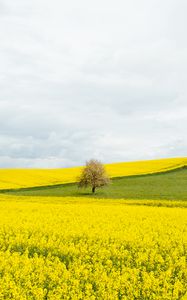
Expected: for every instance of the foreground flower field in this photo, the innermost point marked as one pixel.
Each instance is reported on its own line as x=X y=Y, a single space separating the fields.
x=22 y=178
x=73 y=248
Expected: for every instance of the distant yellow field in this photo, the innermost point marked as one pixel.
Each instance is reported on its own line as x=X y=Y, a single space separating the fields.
x=145 y=167
x=20 y=178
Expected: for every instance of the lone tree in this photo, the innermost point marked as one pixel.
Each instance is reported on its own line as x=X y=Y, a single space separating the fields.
x=93 y=175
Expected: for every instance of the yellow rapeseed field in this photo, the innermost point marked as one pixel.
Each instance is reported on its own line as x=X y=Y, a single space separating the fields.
x=73 y=248
x=20 y=178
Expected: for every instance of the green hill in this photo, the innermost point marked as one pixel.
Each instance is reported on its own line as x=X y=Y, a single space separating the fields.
x=169 y=185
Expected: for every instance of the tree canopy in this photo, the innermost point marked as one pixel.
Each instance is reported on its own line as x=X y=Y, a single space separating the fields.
x=93 y=175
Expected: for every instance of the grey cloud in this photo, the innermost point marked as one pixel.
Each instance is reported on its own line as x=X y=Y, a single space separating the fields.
x=81 y=80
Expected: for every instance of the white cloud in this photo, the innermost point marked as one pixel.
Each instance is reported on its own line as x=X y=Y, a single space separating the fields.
x=83 y=79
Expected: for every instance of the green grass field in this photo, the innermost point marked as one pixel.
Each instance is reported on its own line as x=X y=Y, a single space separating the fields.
x=169 y=186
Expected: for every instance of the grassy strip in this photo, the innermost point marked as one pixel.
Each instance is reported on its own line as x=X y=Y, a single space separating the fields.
x=169 y=185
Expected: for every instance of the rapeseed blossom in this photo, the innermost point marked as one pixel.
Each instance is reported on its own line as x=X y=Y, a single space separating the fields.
x=78 y=248
x=23 y=178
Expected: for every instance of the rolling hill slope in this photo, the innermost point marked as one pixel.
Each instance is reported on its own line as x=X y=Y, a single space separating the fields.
x=25 y=178
x=159 y=186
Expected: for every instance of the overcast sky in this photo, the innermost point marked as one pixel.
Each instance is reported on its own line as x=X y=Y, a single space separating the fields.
x=92 y=79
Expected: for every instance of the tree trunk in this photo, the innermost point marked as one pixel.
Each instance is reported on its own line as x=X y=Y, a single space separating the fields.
x=93 y=189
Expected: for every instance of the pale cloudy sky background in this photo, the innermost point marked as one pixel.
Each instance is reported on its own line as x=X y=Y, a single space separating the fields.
x=92 y=79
